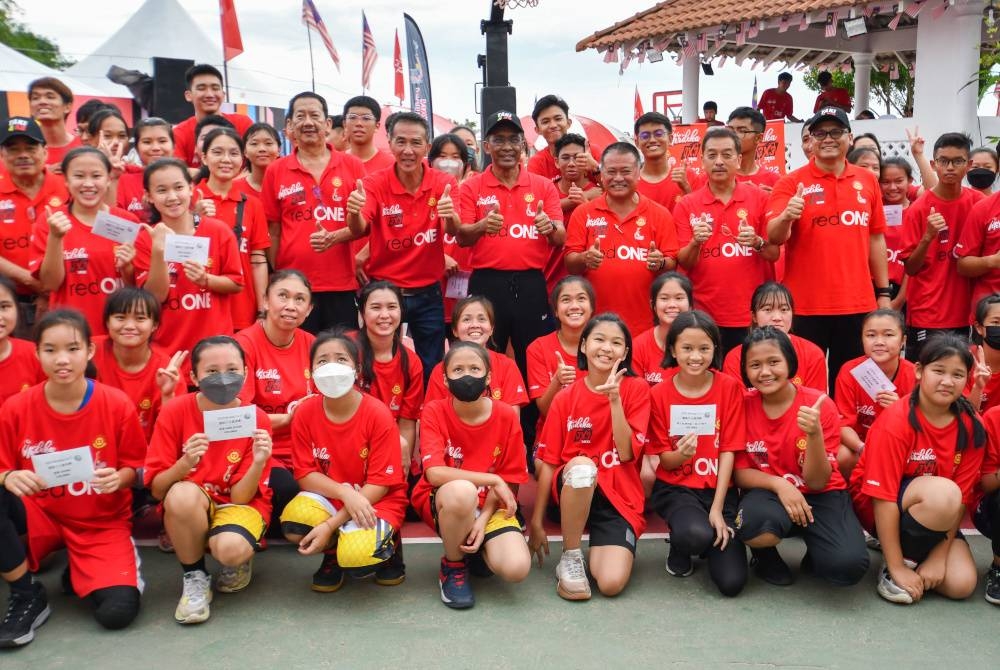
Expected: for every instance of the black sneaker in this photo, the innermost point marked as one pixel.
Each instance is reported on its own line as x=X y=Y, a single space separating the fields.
x=393 y=571
x=329 y=577
x=25 y=612
x=993 y=585
x=679 y=564
x=456 y=592
x=769 y=566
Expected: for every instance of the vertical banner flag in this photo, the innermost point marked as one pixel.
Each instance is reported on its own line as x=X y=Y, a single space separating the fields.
x=311 y=18
x=368 y=53
x=638 y=104
x=771 y=148
x=420 y=75
x=397 y=66
x=753 y=96
x=232 y=42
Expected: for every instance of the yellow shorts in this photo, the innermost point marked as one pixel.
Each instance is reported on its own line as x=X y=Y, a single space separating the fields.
x=356 y=547
x=240 y=519
x=500 y=524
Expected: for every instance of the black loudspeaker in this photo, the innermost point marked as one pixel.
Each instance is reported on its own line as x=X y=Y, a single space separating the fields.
x=168 y=89
x=495 y=98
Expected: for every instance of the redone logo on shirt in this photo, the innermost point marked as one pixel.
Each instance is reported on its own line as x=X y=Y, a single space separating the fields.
x=410 y=241
x=846 y=218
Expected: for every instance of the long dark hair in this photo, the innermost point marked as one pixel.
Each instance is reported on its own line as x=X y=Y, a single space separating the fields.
x=606 y=317
x=697 y=320
x=366 y=372
x=944 y=345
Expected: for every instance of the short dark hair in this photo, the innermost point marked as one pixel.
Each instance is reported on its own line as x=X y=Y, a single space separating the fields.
x=720 y=132
x=365 y=101
x=63 y=317
x=854 y=155
x=824 y=78
x=260 y=126
x=710 y=104
x=621 y=148
x=547 y=101
x=901 y=163
x=570 y=138
x=953 y=141
x=52 y=84
x=214 y=341
x=152 y=122
x=780 y=339
x=132 y=299
x=698 y=320
x=407 y=117
x=101 y=115
x=199 y=70
x=337 y=120
x=88 y=109
x=868 y=136
x=756 y=119
x=76 y=152
x=212 y=120
x=653 y=117
x=307 y=95
x=785 y=76
x=985 y=150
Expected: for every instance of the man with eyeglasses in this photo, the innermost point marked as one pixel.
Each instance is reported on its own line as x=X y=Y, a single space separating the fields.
x=50 y=101
x=829 y=216
x=362 y=115
x=938 y=297
x=402 y=210
x=512 y=219
x=205 y=93
x=721 y=229
x=551 y=117
x=749 y=125
x=661 y=179
x=621 y=240
x=305 y=196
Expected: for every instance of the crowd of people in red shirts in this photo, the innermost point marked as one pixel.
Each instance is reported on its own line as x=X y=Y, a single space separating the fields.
x=315 y=345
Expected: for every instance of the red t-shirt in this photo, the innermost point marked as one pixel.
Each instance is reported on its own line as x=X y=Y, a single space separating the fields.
x=991 y=462
x=505 y=382
x=401 y=391
x=18 y=214
x=937 y=296
x=495 y=446
x=647 y=357
x=625 y=245
x=762 y=178
x=894 y=250
x=579 y=424
x=363 y=450
x=275 y=378
x=778 y=446
x=812 y=370
x=544 y=162
x=184 y=138
x=140 y=387
x=241 y=185
x=836 y=96
x=517 y=246
x=727 y=273
x=895 y=451
x=543 y=357
x=89 y=264
x=55 y=155
x=775 y=104
x=980 y=237
x=20 y=370
x=380 y=161
x=212 y=314
x=107 y=424
x=841 y=213
x=702 y=470
x=666 y=191
x=406 y=239
x=253 y=236
x=857 y=409
x=224 y=464
x=292 y=197
x=130 y=195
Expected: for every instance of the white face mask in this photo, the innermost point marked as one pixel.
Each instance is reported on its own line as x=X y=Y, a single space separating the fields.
x=334 y=379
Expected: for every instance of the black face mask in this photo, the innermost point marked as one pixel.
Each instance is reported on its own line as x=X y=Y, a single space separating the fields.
x=992 y=336
x=467 y=388
x=221 y=388
x=981 y=177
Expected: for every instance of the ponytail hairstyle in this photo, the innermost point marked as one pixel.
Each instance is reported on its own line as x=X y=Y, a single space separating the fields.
x=940 y=346
x=366 y=370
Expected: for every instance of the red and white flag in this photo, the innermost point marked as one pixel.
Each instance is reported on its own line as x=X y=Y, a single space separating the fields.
x=311 y=18
x=702 y=42
x=638 y=104
x=232 y=42
x=914 y=9
x=804 y=23
x=611 y=55
x=369 y=54
x=831 y=25
x=397 y=65
x=783 y=24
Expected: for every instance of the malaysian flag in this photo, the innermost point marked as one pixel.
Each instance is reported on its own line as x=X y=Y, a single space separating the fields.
x=754 y=29
x=311 y=18
x=894 y=23
x=804 y=23
x=368 y=53
x=914 y=9
x=831 y=25
x=611 y=55
x=783 y=25
x=702 y=42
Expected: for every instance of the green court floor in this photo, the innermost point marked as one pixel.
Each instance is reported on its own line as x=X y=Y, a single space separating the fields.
x=658 y=622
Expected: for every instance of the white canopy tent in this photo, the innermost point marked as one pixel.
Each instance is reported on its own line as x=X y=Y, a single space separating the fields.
x=17 y=71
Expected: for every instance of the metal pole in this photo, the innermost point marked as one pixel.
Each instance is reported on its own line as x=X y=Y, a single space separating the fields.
x=312 y=68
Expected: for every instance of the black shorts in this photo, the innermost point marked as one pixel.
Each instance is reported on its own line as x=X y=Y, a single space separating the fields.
x=492 y=529
x=916 y=540
x=666 y=499
x=607 y=526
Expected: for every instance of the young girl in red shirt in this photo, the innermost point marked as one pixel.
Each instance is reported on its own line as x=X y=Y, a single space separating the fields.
x=593 y=435
x=154 y=139
x=262 y=146
x=19 y=368
x=984 y=387
x=473 y=461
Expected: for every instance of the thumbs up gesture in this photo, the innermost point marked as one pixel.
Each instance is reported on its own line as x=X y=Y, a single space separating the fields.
x=808 y=417
x=494 y=221
x=204 y=207
x=701 y=229
x=746 y=236
x=445 y=205
x=356 y=200
x=655 y=260
x=797 y=203
x=935 y=225
x=593 y=256
x=322 y=239
x=575 y=195
x=543 y=224
x=59 y=223
x=565 y=374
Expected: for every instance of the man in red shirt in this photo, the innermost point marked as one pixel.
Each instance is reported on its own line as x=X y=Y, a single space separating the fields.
x=777 y=103
x=660 y=179
x=50 y=102
x=552 y=122
x=937 y=295
x=205 y=93
x=721 y=229
x=749 y=125
x=830 y=95
x=402 y=209
x=979 y=248
x=362 y=115
x=829 y=216
x=709 y=111
x=305 y=196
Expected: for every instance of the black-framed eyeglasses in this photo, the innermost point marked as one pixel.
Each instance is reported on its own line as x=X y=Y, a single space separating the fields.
x=956 y=162
x=646 y=134
x=834 y=134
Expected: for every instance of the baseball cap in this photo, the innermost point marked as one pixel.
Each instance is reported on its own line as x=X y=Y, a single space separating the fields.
x=21 y=126
x=502 y=116
x=831 y=114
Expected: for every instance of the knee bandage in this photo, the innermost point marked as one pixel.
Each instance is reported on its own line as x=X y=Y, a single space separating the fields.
x=581 y=476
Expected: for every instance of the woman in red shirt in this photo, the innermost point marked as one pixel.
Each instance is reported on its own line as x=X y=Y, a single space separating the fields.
x=19 y=368
x=593 y=435
x=917 y=476
x=473 y=460
x=895 y=181
x=90 y=517
x=153 y=139
x=213 y=488
x=262 y=146
x=791 y=485
x=883 y=334
x=78 y=268
x=693 y=490
x=984 y=388
x=345 y=451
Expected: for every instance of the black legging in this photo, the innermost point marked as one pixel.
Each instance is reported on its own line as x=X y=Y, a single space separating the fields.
x=283 y=489
x=691 y=534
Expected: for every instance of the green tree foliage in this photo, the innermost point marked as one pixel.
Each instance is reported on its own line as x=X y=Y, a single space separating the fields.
x=16 y=35
x=888 y=96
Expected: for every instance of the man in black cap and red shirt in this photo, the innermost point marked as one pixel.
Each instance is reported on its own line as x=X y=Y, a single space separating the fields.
x=829 y=216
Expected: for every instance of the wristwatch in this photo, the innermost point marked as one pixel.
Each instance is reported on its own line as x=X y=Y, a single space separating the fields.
x=759 y=244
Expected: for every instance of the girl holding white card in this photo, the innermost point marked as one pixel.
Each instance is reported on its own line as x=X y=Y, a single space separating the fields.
x=90 y=518
x=693 y=490
x=214 y=489
x=883 y=335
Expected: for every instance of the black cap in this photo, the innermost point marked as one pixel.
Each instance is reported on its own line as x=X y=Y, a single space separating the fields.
x=22 y=126
x=831 y=114
x=502 y=116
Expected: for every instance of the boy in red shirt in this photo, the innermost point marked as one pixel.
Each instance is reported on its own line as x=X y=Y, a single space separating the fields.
x=978 y=249
x=830 y=95
x=777 y=103
x=660 y=179
x=361 y=118
x=552 y=122
x=204 y=92
x=50 y=102
x=750 y=126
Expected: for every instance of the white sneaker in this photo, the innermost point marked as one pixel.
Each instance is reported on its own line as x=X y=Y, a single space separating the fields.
x=231 y=580
x=193 y=605
x=891 y=591
x=572 y=575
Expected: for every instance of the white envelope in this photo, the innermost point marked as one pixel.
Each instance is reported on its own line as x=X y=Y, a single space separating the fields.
x=180 y=248
x=228 y=424
x=871 y=378
x=60 y=468
x=697 y=419
x=458 y=285
x=893 y=215
x=115 y=228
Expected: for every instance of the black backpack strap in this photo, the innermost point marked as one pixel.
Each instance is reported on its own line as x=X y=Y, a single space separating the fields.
x=238 y=228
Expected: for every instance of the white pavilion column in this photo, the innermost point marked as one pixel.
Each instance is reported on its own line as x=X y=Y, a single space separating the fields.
x=690 y=72
x=862 y=81
x=947 y=60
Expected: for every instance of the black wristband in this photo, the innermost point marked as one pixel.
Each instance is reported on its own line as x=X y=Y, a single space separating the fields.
x=883 y=292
